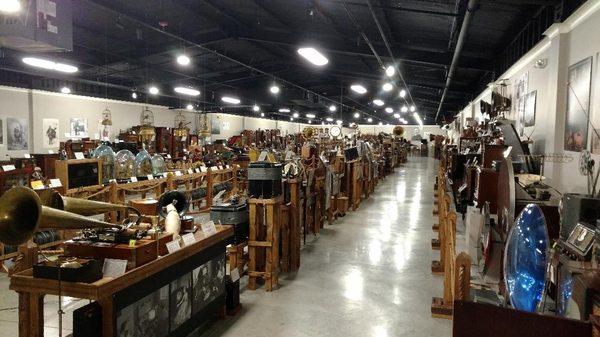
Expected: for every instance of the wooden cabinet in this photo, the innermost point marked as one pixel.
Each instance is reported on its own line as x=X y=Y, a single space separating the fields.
x=74 y=173
x=47 y=163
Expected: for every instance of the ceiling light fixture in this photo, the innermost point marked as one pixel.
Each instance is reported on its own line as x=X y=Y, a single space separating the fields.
x=380 y=123
x=296 y=115
x=189 y=107
x=370 y=120
x=378 y=102
x=402 y=93
x=10 y=6
x=313 y=56
x=274 y=89
x=329 y=119
x=134 y=95
x=291 y=119
x=332 y=108
x=418 y=118
x=390 y=71
x=256 y=108
x=50 y=65
x=153 y=90
x=183 y=60
x=387 y=86
x=309 y=121
x=262 y=114
x=356 y=115
x=65 y=90
x=230 y=100
x=358 y=89
x=404 y=108
x=310 y=116
x=396 y=115
x=339 y=122
x=412 y=108
x=186 y=91
x=389 y=110
x=284 y=110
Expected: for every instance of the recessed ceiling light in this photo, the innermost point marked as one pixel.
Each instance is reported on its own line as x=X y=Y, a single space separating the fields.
x=183 y=59
x=404 y=122
x=358 y=89
x=189 y=107
x=291 y=119
x=402 y=93
x=370 y=120
x=284 y=110
x=65 y=90
x=186 y=91
x=390 y=71
x=412 y=108
x=230 y=100
x=50 y=65
x=404 y=108
x=134 y=95
x=332 y=108
x=378 y=102
x=389 y=110
x=356 y=115
x=262 y=114
x=295 y=115
x=153 y=90
x=310 y=116
x=10 y=6
x=339 y=122
x=387 y=86
x=329 y=119
x=256 y=108
x=309 y=121
x=380 y=123
x=274 y=89
x=313 y=56
x=396 y=115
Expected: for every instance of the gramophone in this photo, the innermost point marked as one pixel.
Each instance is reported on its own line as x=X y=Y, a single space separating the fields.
x=23 y=212
x=172 y=205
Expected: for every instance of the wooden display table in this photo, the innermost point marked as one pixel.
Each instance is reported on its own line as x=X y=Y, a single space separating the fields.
x=115 y=294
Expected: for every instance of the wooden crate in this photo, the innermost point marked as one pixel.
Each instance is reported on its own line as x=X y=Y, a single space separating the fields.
x=263 y=242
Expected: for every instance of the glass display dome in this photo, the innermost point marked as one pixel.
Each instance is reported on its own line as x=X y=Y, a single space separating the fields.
x=124 y=163
x=525 y=257
x=158 y=164
x=143 y=164
x=107 y=155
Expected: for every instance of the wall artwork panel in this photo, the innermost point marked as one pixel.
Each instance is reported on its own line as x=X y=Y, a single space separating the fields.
x=18 y=134
x=208 y=282
x=79 y=128
x=1 y=133
x=180 y=300
x=578 y=105
x=50 y=132
x=215 y=125
x=529 y=110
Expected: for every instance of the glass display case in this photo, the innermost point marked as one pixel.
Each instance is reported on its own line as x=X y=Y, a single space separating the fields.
x=143 y=164
x=158 y=164
x=107 y=155
x=124 y=164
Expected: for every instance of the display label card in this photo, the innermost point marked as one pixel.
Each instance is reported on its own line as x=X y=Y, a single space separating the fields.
x=50 y=151
x=173 y=246
x=263 y=156
x=55 y=182
x=79 y=155
x=226 y=166
x=220 y=167
x=183 y=139
x=150 y=177
x=132 y=243
x=27 y=156
x=203 y=169
x=190 y=171
x=235 y=275
x=178 y=173
x=114 y=267
x=197 y=170
x=7 y=168
x=208 y=228
x=37 y=185
x=133 y=179
x=169 y=156
x=188 y=239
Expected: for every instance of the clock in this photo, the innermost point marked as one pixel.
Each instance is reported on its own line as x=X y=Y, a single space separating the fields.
x=335 y=131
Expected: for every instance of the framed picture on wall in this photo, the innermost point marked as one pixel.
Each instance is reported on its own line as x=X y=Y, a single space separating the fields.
x=578 y=105
x=50 y=133
x=79 y=128
x=1 y=133
x=215 y=125
x=529 y=110
x=18 y=134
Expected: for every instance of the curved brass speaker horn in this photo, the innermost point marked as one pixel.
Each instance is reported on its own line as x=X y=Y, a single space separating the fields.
x=22 y=214
x=398 y=131
x=176 y=198
x=308 y=132
x=51 y=198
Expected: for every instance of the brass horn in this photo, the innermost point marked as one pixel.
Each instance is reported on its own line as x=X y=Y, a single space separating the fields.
x=22 y=214
x=51 y=198
x=308 y=132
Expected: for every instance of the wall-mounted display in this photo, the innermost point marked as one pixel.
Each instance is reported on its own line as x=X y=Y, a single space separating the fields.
x=180 y=300
x=529 y=110
x=578 y=105
x=50 y=133
x=520 y=94
x=18 y=134
x=79 y=128
x=215 y=125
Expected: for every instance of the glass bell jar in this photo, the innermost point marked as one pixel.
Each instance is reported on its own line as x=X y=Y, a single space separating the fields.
x=124 y=163
x=107 y=155
x=158 y=164
x=143 y=164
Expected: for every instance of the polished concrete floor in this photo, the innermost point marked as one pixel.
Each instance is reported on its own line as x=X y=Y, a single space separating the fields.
x=366 y=275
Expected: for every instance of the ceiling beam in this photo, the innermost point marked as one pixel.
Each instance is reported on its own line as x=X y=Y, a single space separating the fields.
x=398 y=8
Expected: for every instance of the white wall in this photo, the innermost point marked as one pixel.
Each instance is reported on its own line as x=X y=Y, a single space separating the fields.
x=409 y=130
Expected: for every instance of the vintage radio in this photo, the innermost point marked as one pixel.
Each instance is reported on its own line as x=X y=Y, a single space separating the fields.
x=143 y=252
x=236 y=215
x=264 y=180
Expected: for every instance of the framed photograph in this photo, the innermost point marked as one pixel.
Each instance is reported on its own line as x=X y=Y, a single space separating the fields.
x=50 y=133
x=215 y=125
x=79 y=128
x=18 y=134
x=149 y=316
x=529 y=110
x=180 y=300
x=208 y=282
x=578 y=105
x=1 y=133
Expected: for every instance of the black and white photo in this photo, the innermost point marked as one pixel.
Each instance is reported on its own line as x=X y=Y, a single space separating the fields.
x=50 y=133
x=79 y=128
x=180 y=300
x=18 y=134
x=208 y=282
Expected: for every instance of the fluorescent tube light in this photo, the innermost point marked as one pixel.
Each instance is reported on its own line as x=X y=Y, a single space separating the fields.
x=313 y=56
x=186 y=91
x=358 y=89
x=230 y=100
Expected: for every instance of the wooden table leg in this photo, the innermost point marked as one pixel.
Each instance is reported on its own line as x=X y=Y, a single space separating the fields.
x=106 y=304
x=31 y=315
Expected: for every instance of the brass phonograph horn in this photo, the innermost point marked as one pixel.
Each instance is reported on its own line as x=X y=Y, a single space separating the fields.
x=308 y=132
x=53 y=199
x=22 y=214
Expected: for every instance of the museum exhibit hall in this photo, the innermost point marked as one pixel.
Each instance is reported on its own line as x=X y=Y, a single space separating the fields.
x=299 y=168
